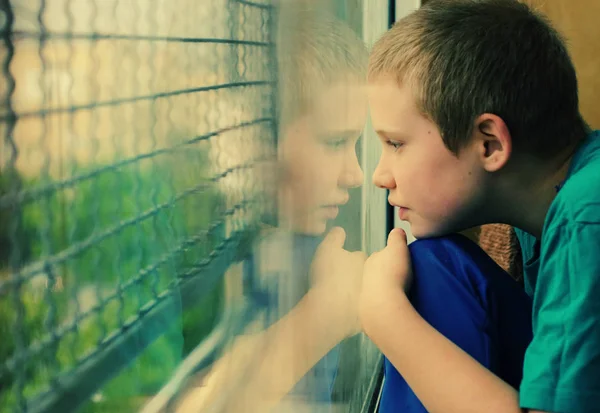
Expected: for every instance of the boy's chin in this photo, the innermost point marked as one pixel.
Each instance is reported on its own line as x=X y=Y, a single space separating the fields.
x=427 y=230
x=313 y=227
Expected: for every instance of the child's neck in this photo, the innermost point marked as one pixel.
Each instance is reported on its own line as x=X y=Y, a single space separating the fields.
x=527 y=199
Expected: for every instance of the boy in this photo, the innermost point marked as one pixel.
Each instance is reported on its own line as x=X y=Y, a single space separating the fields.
x=476 y=104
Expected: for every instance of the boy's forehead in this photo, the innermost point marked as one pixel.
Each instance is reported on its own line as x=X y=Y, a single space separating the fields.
x=386 y=88
x=390 y=104
x=342 y=106
x=341 y=92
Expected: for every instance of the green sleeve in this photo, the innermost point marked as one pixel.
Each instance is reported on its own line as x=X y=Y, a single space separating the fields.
x=562 y=364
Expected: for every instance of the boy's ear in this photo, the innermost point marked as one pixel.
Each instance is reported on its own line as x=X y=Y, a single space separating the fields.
x=493 y=141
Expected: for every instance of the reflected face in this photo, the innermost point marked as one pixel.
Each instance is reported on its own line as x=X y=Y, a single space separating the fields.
x=320 y=164
x=437 y=191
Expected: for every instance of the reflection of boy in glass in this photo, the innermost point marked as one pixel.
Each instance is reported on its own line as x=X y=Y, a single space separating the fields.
x=322 y=106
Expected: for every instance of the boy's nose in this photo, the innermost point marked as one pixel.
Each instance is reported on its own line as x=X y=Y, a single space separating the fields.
x=352 y=176
x=382 y=178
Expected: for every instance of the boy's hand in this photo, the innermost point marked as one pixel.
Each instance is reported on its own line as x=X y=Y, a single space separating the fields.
x=387 y=274
x=336 y=276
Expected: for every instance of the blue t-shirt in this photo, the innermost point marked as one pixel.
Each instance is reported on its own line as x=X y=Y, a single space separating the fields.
x=462 y=293
x=561 y=371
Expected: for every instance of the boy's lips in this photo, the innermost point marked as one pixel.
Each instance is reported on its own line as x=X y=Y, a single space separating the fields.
x=402 y=213
x=330 y=211
x=396 y=204
x=336 y=203
x=402 y=210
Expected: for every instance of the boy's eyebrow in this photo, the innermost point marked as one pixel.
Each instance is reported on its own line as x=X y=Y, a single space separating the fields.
x=347 y=134
x=385 y=133
x=394 y=135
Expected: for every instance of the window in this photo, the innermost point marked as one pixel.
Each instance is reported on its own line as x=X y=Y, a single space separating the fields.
x=148 y=241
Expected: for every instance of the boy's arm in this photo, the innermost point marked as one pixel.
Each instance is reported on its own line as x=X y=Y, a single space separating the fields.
x=443 y=376
x=260 y=369
x=562 y=364
x=268 y=364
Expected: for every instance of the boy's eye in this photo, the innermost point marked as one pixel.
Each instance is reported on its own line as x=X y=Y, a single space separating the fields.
x=336 y=143
x=394 y=145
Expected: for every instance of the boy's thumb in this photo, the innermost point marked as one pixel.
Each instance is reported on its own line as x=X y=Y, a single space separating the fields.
x=397 y=237
x=336 y=237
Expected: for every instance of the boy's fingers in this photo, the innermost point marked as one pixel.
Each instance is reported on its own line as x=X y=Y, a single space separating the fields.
x=397 y=237
x=361 y=254
x=336 y=237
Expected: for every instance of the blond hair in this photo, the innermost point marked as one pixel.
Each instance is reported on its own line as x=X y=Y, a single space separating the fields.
x=314 y=50
x=463 y=58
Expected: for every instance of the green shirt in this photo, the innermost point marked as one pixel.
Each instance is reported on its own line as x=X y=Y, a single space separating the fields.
x=561 y=371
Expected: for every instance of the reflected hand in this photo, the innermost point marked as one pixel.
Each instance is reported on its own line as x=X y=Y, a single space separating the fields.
x=336 y=276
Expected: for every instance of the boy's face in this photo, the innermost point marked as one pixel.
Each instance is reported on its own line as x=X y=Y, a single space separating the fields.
x=318 y=152
x=437 y=191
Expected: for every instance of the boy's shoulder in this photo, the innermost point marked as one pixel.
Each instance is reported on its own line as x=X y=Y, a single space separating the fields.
x=578 y=201
x=561 y=363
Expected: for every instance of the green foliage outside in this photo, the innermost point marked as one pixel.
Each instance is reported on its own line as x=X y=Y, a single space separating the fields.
x=72 y=216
